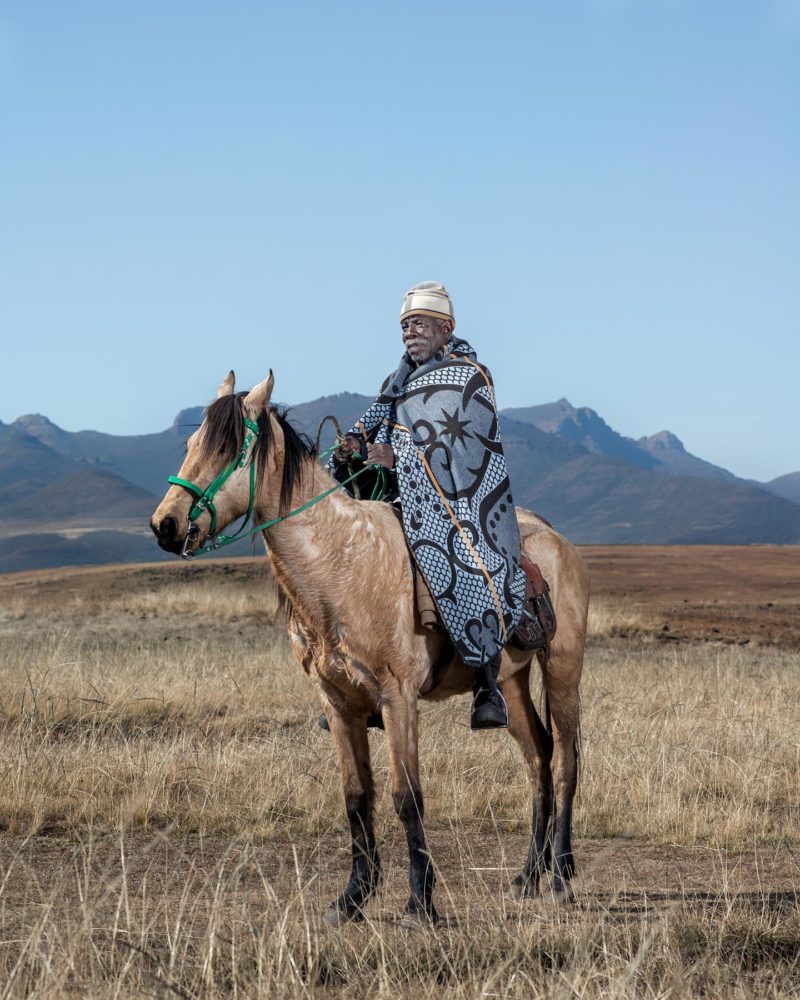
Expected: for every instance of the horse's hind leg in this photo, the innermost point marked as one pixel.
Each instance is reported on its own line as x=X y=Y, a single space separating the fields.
x=352 y=745
x=536 y=745
x=561 y=682
x=400 y=719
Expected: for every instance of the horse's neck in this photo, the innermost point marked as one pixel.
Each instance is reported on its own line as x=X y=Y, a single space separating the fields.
x=302 y=548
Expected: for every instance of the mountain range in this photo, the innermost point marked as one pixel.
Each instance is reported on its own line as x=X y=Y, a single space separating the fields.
x=78 y=497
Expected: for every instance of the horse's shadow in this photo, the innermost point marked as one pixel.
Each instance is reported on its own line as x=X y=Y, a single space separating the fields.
x=647 y=903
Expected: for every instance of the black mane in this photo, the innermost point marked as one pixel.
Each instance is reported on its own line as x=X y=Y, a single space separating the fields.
x=223 y=437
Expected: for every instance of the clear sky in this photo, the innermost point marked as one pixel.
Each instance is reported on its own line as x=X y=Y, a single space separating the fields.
x=610 y=189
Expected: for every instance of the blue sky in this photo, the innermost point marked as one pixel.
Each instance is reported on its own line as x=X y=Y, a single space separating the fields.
x=609 y=189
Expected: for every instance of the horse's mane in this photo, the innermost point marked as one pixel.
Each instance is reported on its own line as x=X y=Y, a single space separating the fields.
x=223 y=437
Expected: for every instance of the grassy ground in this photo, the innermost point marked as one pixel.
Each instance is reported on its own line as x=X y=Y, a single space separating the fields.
x=172 y=820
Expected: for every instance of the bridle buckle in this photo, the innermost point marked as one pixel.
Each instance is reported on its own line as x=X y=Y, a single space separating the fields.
x=192 y=534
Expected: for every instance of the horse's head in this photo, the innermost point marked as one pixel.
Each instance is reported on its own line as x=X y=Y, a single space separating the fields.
x=213 y=486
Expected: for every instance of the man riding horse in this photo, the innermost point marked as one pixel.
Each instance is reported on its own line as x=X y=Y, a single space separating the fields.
x=434 y=426
x=364 y=644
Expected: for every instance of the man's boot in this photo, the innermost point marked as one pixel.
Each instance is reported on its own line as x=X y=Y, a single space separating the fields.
x=489 y=709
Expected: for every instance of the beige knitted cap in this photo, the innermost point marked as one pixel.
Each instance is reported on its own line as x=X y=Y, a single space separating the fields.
x=429 y=298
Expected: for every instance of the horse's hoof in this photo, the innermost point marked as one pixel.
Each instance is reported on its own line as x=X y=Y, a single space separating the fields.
x=559 y=897
x=413 y=920
x=335 y=916
x=522 y=889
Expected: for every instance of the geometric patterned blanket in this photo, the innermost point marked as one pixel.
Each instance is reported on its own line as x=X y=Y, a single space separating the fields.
x=458 y=513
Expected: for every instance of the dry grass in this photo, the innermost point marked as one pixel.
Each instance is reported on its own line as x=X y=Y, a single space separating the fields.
x=181 y=925
x=692 y=744
x=163 y=738
x=205 y=598
x=612 y=618
x=213 y=730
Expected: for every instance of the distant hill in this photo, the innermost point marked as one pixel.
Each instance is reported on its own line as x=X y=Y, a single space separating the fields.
x=787 y=486
x=672 y=457
x=347 y=407
x=597 y=498
x=84 y=495
x=661 y=452
x=25 y=459
x=90 y=494
x=144 y=459
x=49 y=549
x=584 y=427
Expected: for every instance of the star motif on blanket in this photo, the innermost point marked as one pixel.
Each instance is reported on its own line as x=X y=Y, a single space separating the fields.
x=454 y=427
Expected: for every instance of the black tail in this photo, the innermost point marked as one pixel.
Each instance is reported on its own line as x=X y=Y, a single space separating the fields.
x=548 y=724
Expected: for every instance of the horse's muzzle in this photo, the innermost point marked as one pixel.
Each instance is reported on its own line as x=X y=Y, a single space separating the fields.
x=166 y=531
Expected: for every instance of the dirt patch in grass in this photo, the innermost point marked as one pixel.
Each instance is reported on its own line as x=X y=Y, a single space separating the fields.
x=708 y=593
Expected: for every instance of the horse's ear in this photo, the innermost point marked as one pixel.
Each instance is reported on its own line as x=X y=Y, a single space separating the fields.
x=257 y=399
x=225 y=388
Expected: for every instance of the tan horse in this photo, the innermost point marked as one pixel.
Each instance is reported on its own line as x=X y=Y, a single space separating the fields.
x=344 y=566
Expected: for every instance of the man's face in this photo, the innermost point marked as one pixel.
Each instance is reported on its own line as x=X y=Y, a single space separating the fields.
x=423 y=336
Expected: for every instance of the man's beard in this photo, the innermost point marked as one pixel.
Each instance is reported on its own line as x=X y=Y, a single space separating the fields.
x=420 y=351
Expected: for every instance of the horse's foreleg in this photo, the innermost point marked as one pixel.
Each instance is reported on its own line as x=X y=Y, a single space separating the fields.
x=536 y=745
x=400 y=720
x=562 y=689
x=352 y=745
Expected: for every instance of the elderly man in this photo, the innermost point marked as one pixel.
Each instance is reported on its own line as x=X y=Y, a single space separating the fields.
x=434 y=424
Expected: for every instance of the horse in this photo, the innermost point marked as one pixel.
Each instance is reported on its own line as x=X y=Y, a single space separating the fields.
x=346 y=573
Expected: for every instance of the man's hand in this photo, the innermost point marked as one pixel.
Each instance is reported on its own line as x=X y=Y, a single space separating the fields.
x=380 y=454
x=348 y=445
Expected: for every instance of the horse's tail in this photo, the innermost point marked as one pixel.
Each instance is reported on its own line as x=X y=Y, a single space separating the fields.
x=542 y=656
x=548 y=718
x=578 y=744
x=548 y=725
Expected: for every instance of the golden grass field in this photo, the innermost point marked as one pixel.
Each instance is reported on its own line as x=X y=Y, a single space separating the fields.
x=172 y=825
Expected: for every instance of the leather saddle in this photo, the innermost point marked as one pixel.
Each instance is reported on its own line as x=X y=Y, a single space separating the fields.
x=537 y=627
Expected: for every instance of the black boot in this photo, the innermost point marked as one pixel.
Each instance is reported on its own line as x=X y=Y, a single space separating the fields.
x=489 y=709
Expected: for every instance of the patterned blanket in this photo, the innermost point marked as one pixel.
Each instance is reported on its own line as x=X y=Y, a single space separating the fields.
x=458 y=514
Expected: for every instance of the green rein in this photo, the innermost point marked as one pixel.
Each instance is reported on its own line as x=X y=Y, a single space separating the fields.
x=205 y=497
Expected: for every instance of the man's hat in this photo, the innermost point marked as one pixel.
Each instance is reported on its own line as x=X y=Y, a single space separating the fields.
x=429 y=298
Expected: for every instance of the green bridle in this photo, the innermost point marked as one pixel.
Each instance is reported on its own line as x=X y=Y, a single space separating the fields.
x=205 y=497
